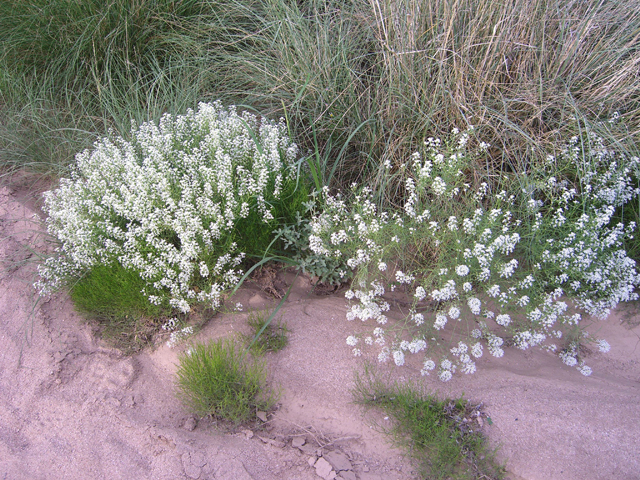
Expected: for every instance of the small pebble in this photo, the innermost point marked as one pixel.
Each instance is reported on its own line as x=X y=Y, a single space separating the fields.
x=190 y=424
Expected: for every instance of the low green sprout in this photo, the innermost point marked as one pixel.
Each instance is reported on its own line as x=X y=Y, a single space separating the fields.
x=266 y=337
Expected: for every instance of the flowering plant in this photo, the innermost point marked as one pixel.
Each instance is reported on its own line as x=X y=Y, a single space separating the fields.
x=181 y=203
x=509 y=263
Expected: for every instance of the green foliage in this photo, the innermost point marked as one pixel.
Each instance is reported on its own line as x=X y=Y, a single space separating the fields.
x=254 y=236
x=119 y=40
x=74 y=70
x=295 y=238
x=113 y=290
x=398 y=70
x=112 y=296
x=266 y=336
x=361 y=83
x=443 y=436
x=220 y=380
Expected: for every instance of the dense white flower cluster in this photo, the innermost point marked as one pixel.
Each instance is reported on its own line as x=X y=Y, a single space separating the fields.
x=572 y=253
x=164 y=203
x=588 y=253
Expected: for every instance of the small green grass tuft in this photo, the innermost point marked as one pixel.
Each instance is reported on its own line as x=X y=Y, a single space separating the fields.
x=115 y=291
x=268 y=337
x=443 y=436
x=220 y=380
x=112 y=296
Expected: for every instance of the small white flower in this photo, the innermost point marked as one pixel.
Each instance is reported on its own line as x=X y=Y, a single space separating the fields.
x=585 y=370
x=439 y=186
x=468 y=368
x=503 y=320
x=398 y=357
x=382 y=266
x=461 y=349
x=466 y=286
x=383 y=356
x=494 y=291
x=603 y=346
x=476 y=350
x=441 y=321
x=204 y=270
x=568 y=359
x=352 y=341
x=462 y=270
x=171 y=324
x=417 y=345
x=496 y=352
x=445 y=375
x=427 y=367
x=401 y=277
x=474 y=305
x=454 y=312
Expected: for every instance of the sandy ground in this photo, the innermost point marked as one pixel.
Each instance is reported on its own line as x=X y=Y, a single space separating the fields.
x=73 y=408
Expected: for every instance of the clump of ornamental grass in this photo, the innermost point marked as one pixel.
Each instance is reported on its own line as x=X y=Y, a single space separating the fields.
x=71 y=71
x=360 y=82
x=444 y=437
x=220 y=380
x=363 y=81
x=515 y=266
x=179 y=207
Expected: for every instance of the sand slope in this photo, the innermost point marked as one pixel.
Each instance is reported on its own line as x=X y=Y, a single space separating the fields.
x=73 y=408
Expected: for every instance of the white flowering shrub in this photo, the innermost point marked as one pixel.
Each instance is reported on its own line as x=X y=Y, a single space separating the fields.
x=517 y=268
x=181 y=203
x=583 y=251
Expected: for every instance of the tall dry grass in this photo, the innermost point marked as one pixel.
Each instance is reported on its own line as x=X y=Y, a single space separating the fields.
x=360 y=82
